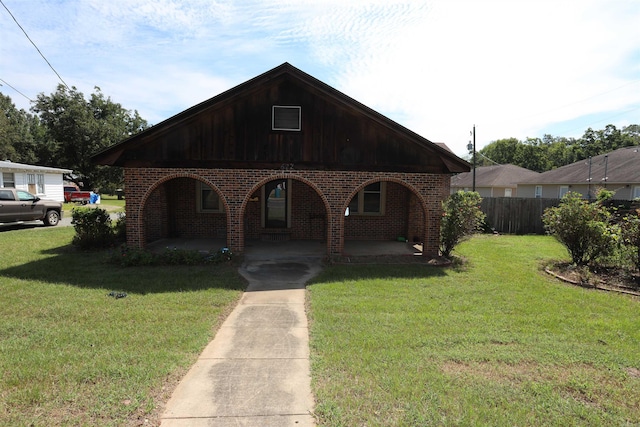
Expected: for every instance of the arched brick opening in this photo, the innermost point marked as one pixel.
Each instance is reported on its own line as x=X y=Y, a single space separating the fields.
x=308 y=216
x=170 y=209
x=403 y=217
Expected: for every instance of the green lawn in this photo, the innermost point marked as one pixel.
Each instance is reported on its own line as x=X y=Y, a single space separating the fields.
x=494 y=342
x=491 y=342
x=72 y=355
x=109 y=203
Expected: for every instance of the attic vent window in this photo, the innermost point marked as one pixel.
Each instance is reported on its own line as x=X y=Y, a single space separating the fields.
x=286 y=118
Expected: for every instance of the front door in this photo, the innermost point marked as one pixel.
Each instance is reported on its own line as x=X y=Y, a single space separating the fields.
x=276 y=204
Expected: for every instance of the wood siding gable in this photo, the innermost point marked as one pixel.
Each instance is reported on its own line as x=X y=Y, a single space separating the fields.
x=234 y=130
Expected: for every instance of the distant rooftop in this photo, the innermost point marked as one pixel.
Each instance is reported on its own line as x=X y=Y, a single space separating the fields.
x=7 y=164
x=493 y=176
x=621 y=165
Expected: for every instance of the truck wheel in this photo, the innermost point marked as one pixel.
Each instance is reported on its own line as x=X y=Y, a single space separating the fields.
x=51 y=218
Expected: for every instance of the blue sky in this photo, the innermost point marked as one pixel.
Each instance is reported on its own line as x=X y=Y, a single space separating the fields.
x=514 y=68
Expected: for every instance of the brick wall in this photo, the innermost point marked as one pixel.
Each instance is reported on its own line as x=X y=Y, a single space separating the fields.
x=156 y=215
x=171 y=211
x=415 y=226
x=389 y=226
x=160 y=202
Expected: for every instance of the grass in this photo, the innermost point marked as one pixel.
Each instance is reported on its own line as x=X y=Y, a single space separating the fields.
x=493 y=341
x=73 y=355
x=107 y=202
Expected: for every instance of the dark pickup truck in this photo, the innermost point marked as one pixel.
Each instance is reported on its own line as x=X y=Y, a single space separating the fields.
x=19 y=205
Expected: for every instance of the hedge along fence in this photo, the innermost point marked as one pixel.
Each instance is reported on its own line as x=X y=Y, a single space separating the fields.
x=516 y=215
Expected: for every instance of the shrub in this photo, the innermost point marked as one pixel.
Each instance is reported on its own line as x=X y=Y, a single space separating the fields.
x=180 y=257
x=604 y=196
x=93 y=228
x=582 y=227
x=630 y=231
x=129 y=257
x=461 y=218
x=120 y=228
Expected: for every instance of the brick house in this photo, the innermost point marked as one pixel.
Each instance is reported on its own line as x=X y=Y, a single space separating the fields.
x=283 y=156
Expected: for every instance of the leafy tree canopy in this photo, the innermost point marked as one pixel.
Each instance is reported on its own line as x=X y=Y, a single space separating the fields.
x=76 y=128
x=18 y=133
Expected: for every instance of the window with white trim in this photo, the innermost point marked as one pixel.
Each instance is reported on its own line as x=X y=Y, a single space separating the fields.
x=8 y=180
x=207 y=199
x=564 y=189
x=286 y=117
x=370 y=200
x=538 y=192
x=507 y=192
x=636 y=192
x=40 y=183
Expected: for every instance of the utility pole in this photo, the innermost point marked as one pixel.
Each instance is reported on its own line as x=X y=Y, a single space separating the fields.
x=589 y=179
x=472 y=147
x=474 y=157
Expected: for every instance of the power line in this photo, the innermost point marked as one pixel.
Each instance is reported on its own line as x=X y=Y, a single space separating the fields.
x=493 y=161
x=30 y=100
x=633 y=82
x=34 y=45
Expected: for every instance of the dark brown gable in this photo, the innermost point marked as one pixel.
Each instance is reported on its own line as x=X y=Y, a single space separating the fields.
x=236 y=130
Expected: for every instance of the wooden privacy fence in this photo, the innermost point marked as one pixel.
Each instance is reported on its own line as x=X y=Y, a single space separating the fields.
x=516 y=215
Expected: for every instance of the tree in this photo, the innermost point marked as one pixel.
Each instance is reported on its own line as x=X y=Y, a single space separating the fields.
x=502 y=151
x=461 y=218
x=631 y=135
x=595 y=142
x=531 y=155
x=77 y=128
x=17 y=130
x=559 y=151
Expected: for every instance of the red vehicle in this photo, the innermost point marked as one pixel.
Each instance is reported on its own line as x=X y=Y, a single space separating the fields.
x=72 y=194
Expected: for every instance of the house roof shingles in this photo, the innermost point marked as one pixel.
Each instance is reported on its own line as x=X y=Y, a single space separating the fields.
x=493 y=176
x=622 y=166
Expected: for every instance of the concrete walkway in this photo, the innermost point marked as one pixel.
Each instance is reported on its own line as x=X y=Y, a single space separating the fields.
x=256 y=370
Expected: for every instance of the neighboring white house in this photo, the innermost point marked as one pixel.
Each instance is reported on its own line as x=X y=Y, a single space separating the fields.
x=43 y=181
x=618 y=171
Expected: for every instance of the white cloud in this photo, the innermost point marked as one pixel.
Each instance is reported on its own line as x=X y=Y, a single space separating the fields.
x=514 y=68
x=492 y=63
